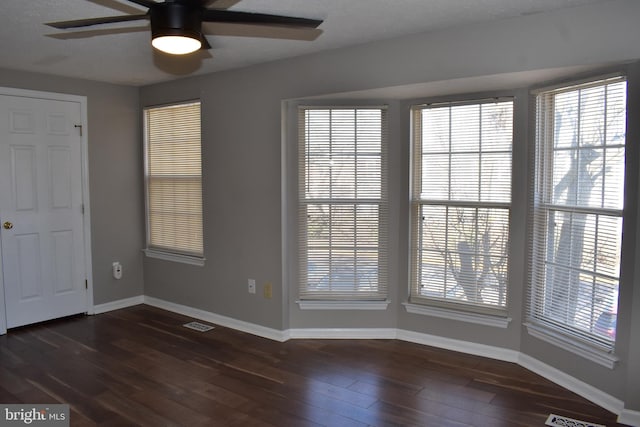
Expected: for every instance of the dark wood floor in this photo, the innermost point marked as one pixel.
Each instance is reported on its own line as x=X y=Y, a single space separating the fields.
x=139 y=366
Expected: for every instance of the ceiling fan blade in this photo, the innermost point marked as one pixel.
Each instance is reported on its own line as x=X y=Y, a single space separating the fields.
x=117 y=5
x=85 y=34
x=260 y=31
x=217 y=15
x=220 y=4
x=63 y=25
x=145 y=3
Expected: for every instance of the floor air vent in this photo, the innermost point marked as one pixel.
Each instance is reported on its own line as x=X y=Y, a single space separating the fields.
x=560 y=421
x=197 y=326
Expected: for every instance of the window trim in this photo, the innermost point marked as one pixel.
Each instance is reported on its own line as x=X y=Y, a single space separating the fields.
x=150 y=251
x=174 y=257
x=451 y=309
x=343 y=305
x=601 y=356
x=499 y=320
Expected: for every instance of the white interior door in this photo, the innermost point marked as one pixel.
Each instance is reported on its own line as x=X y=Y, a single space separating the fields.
x=41 y=209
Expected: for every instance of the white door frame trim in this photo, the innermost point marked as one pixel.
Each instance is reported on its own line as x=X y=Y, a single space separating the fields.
x=82 y=100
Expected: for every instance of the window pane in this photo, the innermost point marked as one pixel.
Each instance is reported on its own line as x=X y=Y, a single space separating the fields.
x=369 y=132
x=609 y=244
x=465 y=128
x=368 y=177
x=462 y=160
x=343 y=177
x=496 y=177
x=564 y=178
x=465 y=177
x=367 y=230
x=435 y=177
x=590 y=170
x=616 y=114
x=566 y=120
x=613 y=185
x=318 y=176
x=435 y=130
x=497 y=127
x=592 y=117
x=463 y=254
x=318 y=225
x=584 y=252
x=343 y=140
x=175 y=213
x=573 y=237
x=342 y=223
x=318 y=132
x=432 y=252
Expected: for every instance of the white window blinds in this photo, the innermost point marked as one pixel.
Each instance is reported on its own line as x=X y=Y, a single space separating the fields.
x=173 y=178
x=460 y=204
x=576 y=233
x=342 y=203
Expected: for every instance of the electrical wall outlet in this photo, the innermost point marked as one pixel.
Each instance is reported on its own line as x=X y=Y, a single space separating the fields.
x=116 y=268
x=268 y=290
x=252 y=286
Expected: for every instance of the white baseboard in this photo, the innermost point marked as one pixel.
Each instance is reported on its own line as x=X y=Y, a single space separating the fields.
x=343 y=333
x=117 y=305
x=565 y=380
x=629 y=417
x=467 y=347
x=207 y=316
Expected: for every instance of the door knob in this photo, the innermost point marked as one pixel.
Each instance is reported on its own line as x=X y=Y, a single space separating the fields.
x=7 y=225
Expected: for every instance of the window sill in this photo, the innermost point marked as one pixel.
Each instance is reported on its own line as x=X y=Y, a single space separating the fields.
x=463 y=316
x=343 y=305
x=590 y=352
x=167 y=256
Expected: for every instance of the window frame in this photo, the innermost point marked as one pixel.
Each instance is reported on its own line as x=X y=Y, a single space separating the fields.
x=166 y=253
x=585 y=344
x=340 y=302
x=495 y=316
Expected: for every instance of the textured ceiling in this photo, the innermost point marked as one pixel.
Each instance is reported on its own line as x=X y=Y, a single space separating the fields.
x=122 y=53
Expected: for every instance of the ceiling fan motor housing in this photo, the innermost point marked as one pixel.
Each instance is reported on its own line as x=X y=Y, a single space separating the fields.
x=176 y=19
x=176 y=25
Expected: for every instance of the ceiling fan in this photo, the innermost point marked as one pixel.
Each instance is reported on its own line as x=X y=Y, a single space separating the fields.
x=176 y=25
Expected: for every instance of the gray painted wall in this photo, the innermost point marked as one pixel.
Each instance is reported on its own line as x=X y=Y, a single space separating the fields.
x=115 y=180
x=243 y=186
x=243 y=166
x=630 y=295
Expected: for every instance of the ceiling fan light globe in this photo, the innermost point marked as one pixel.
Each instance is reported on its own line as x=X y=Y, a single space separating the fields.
x=176 y=45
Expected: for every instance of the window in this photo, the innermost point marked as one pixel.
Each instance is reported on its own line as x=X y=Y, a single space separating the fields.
x=576 y=232
x=173 y=182
x=343 y=204
x=460 y=204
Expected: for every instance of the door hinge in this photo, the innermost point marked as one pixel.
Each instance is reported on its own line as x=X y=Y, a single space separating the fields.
x=86 y=284
x=78 y=127
x=82 y=208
